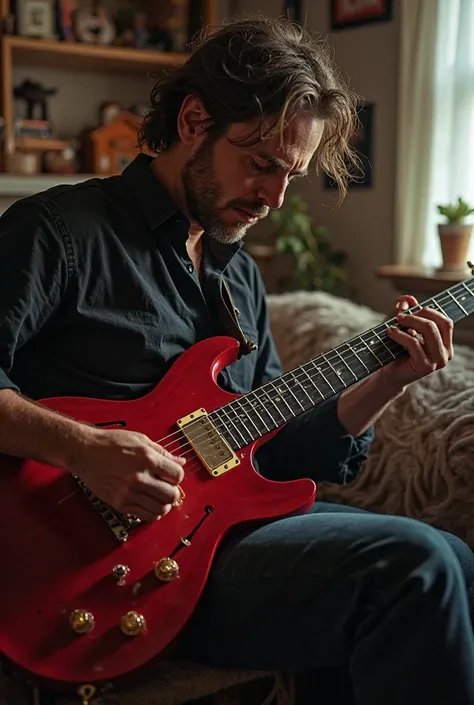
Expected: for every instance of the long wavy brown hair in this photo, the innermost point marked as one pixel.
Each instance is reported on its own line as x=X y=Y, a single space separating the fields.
x=254 y=68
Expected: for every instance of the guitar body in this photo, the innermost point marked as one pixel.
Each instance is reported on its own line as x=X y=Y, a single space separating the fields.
x=59 y=553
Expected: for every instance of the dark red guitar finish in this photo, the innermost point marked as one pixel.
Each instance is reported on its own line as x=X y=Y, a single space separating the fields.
x=58 y=553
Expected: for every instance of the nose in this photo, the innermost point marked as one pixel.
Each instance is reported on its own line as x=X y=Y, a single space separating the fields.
x=272 y=191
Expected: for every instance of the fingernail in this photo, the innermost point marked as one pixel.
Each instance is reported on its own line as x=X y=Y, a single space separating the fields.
x=404 y=306
x=401 y=315
x=179 y=458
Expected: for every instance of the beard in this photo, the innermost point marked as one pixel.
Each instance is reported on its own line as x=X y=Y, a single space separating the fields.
x=203 y=192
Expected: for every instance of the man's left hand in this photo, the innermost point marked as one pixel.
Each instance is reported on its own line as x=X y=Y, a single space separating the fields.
x=428 y=341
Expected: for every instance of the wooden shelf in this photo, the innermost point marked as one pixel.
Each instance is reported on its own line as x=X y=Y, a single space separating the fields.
x=40 y=145
x=84 y=57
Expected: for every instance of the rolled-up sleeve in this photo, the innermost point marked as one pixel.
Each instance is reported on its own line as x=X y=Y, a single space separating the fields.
x=33 y=275
x=315 y=445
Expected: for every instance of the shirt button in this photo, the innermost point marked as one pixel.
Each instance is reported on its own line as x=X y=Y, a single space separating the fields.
x=190 y=268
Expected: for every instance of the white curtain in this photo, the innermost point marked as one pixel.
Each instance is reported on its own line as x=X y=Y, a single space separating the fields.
x=436 y=121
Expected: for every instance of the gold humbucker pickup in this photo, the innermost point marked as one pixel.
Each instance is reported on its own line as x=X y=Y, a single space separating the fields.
x=215 y=453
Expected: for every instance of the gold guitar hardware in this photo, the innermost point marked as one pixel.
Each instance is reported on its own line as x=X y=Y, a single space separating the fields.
x=181 y=497
x=471 y=267
x=81 y=621
x=86 y=693
x=120 y=572
x=215 y=453
x=132 y=624
x=166 y=570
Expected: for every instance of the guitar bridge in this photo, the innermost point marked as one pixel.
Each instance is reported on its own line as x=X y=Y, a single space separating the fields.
x=213 y=450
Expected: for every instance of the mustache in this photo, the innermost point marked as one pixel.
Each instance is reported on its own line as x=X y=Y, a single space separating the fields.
x=256 y=209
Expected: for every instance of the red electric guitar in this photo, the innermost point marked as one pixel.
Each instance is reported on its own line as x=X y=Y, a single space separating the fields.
x=89 y=596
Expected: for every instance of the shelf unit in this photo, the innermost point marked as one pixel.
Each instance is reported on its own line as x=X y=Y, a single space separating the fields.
x=69 y=56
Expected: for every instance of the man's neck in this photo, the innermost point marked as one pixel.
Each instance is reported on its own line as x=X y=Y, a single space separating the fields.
x=167 y=168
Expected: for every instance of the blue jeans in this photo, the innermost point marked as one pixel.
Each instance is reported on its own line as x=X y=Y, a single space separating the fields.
x=385 y=598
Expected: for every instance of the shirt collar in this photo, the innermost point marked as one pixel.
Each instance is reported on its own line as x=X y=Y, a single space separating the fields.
x=158 y=207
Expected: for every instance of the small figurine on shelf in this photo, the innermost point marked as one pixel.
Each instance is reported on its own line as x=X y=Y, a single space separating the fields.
x=35 y=120
x=35 y=96
x=94 y=25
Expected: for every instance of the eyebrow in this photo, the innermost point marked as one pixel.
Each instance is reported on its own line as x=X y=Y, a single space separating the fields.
x=280 y=164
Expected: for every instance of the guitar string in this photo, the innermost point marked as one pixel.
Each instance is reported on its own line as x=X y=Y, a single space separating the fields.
x=328 y=357
x=195 y=465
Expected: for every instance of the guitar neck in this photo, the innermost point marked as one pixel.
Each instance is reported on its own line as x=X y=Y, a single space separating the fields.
x=269 y=407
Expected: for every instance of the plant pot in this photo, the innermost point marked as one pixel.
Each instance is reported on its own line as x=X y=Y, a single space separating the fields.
x=455 y=241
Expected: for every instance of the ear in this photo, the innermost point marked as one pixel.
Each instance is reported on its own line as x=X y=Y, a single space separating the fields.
x=193 y=118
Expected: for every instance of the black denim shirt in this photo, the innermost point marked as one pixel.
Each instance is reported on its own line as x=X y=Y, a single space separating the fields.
x=98 y=298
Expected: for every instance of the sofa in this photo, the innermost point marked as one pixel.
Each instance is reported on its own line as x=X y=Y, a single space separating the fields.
x=420 y=465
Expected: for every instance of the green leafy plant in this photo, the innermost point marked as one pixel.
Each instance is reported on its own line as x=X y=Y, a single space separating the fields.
x=455 y=213
x=317 y=265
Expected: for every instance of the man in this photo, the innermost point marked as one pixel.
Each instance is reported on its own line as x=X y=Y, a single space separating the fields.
x=104 y=284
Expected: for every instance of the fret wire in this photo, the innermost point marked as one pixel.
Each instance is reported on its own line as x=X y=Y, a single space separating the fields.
x=384 y=344
x=238 y=402
x=268 y=397
x=280 y=396
x=471 y=293
x=312 y=380
x=319 y=368
x=345 y=363
x=232 y=422
x=288 y=387
x=302 y=387
x=221 y=427
x=371 y=351
x=338 y=374
x=361 y=361
x=223 y=409
x=248 y=401
x=458 y=304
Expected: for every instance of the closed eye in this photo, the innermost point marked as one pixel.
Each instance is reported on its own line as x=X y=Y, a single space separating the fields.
x=263 y=168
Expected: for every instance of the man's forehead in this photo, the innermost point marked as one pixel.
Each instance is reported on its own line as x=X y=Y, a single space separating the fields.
x=295 y=145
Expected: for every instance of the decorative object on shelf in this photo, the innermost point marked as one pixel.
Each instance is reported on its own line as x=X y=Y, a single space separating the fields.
x=94 y=25
x=168 y=25
x=35 y=96
x=362 y=142
x=109 y=110
x=56 y=162
x=35 y=18
x=23 y=163
x=35 y=129
x=292 y=9
x=355 y=13
x=109 y=148
x=455 y=235
x=65 y=17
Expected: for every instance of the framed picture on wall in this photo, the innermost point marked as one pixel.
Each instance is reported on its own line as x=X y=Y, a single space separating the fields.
x=355 y=13
x=362 y=143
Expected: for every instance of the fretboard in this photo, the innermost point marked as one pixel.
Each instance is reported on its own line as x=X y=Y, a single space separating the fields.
x=269 y=407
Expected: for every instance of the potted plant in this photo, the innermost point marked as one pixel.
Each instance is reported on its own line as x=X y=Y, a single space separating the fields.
x=455 y=234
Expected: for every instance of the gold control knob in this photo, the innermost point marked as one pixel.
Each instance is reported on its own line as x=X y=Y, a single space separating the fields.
x=132 y=624
x=166 y=570
x=81 y=621
x=120 y=572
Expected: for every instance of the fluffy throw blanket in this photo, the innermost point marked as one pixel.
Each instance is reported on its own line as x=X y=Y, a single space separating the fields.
x=421 y=462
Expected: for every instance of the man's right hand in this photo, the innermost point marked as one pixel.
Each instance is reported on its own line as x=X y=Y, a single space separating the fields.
x=128 y=471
